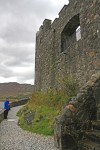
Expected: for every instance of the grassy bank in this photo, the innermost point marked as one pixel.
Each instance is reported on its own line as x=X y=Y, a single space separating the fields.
x=45 y=107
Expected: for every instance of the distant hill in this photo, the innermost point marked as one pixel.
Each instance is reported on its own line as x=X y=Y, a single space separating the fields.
x=13 y=89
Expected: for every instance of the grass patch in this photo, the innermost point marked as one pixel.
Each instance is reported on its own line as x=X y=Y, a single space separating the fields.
x=45 y=107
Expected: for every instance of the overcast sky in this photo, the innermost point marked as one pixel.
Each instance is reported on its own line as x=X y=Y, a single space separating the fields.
x=19 y=22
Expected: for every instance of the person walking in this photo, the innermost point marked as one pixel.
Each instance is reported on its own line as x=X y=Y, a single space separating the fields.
x=6 y=108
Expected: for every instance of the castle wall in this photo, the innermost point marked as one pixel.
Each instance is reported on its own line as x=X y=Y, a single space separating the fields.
x=59 y=54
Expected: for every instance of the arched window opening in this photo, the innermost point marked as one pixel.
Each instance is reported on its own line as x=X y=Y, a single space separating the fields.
x=71 y=33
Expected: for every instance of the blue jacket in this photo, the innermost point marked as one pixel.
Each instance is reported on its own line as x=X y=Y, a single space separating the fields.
x=6 y=105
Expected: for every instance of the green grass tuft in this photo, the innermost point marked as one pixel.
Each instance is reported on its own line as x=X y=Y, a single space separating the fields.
x=46 y=106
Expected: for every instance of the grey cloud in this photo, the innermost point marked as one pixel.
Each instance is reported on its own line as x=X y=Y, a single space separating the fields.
x=18 y=30
x=17 y=50
x=5 y=71
x=17 y=56
x=26 y=76
x=27 y=6
x=19 y=21
x=22 y=18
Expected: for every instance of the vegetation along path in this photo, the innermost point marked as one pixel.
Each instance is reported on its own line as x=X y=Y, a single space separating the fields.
x=12 y=137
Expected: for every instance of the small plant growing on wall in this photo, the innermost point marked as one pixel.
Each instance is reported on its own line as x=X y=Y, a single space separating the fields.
x=69 y=86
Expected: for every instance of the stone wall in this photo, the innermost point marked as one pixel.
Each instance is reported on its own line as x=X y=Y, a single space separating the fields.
x=80 y=129
x=14 y=104
x=19 y=103
x=59 y=53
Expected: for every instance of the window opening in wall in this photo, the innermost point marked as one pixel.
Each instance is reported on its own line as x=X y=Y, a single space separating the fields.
x=78 y=33
x=71 y=33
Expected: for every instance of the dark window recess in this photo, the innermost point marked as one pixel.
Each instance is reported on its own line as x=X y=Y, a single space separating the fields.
x=71 y=33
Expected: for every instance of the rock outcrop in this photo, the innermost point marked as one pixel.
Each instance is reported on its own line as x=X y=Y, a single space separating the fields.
x=80 y=129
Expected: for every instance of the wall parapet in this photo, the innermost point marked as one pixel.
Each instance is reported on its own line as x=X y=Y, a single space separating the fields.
x=14 y=104
x=63 y=10
x=19 y=103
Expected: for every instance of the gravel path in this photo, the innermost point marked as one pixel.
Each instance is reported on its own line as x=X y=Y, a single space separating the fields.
x=12 y=137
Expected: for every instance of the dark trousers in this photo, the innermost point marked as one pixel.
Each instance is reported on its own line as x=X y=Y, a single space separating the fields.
x=5 y=114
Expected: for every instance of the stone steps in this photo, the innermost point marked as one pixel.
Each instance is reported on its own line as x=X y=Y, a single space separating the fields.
x=96 y=125
x=91 y=139
x=88 y=145
x=93 y=136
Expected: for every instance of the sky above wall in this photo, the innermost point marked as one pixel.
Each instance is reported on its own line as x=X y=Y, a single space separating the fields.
x=19 y=22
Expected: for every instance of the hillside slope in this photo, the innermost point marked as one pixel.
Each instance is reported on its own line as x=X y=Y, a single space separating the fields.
x=13 y=89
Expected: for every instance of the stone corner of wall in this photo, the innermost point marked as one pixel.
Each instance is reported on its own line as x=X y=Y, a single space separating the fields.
x=94 y=78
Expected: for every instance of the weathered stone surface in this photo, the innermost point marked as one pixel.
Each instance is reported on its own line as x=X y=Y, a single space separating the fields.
x=88 y=145
x=59 y=53
x=20 y=102
x=1 y=115
x=28 y=117
x=80 y=130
